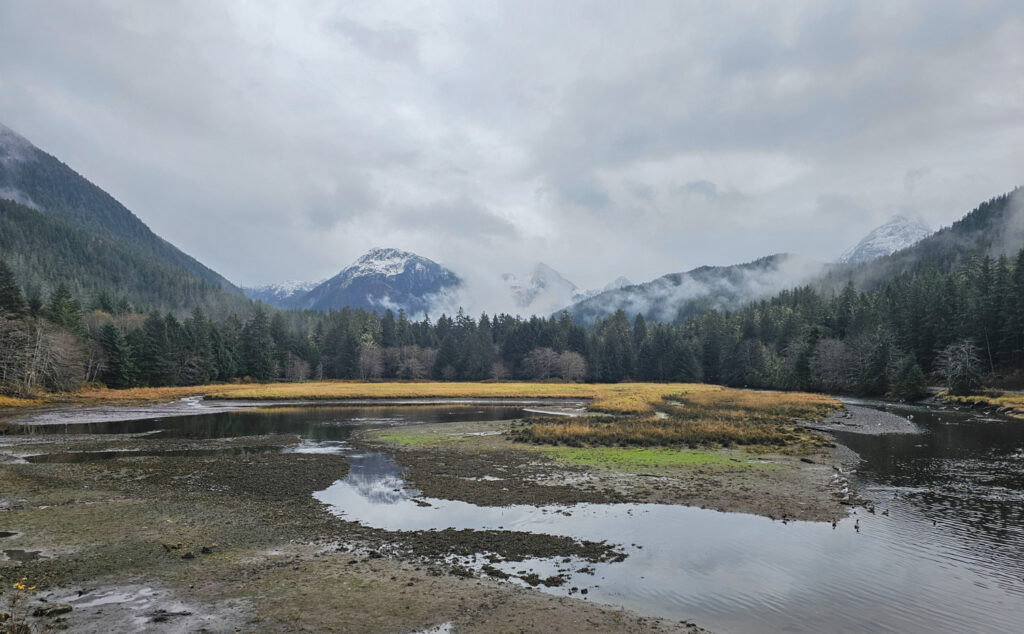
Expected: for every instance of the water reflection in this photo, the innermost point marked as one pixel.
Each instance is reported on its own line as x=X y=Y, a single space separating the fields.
x=314 y=423
x=947 y=557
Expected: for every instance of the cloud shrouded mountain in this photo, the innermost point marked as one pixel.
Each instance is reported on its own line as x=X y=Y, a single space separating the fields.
x=383 y=279
x=677 y=296
x=994 y=228
x=899 y=233
x=690 y=132
x=57 y=227
x=543 y=292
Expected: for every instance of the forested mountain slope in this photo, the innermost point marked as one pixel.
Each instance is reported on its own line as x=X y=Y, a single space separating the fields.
x=44 y=251
x=993 y=229
x=680 y=296
x=59 y=227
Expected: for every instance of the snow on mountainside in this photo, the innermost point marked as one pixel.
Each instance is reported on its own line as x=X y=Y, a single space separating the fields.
x=386 y=262
x=379 y=280
x=895 y=235
x=545 y=292
x=277 y=294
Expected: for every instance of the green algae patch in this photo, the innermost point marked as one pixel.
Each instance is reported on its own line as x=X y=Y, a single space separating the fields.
x=407 y=439
x=641 y=458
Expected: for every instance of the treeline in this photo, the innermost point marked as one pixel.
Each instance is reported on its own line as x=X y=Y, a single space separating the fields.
x=956 y=324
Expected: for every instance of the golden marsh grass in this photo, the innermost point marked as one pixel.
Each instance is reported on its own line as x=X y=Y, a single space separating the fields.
x=694 y=418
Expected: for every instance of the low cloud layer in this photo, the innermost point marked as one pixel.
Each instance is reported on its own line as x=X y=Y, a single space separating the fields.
x=603 y=138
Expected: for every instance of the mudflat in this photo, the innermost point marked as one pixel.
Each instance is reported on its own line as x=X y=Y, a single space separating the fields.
x=120 y=532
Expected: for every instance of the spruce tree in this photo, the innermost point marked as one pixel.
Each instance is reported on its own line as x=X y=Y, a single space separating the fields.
x=11 y=299
x=909 y=381
x=259 y=347
x=121 y=371
x=63 y=310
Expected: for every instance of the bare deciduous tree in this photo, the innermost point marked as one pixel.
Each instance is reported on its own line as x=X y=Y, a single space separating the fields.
x=572 y=366
x=371 y=362
x=295 y=368
x=960 y=364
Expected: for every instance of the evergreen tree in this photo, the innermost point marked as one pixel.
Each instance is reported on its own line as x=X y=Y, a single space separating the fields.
x=63 y=310
x=12 y=301
x=121 y=371
x=258 y=346
x=156 y=365
x=444 y=363
x=909 y=381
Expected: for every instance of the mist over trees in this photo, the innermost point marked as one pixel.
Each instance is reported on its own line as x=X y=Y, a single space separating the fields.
x=955 y=325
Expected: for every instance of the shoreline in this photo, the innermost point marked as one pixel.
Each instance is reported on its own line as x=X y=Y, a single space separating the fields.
x=242 y=543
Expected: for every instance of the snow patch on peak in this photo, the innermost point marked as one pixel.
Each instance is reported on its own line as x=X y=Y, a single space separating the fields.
x=274 y=294
x=898 y=233
x=386 y=262
x=289 y=287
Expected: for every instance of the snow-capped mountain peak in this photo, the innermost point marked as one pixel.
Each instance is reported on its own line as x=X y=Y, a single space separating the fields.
x=384 y=279
x=386 y=262
x=281 y=290
x=899 y=233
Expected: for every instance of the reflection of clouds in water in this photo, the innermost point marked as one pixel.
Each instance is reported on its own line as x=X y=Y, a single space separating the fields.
x=730 y=570
x=324 y=447
x=376 y=478
x=378 y=489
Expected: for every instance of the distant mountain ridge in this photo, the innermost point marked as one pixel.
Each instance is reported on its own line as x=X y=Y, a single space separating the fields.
x=678 y=296
x=896 y=234
x=277 y=294
x=994 y=228
x=52 y=214
x=381 y=279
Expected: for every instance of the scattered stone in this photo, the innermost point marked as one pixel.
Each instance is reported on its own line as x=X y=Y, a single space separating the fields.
x=51 y=610
x=162 y=616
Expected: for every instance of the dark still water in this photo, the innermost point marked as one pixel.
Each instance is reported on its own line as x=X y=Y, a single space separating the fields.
x=313 y=423
x=959 y=485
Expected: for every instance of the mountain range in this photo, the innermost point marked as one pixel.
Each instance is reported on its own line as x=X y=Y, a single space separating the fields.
x=57 y=227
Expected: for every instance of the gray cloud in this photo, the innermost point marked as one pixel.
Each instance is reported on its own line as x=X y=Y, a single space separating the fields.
x=602 y=138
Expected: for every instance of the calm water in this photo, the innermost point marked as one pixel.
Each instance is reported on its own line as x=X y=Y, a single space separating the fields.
x=312 y=423
x=949 y=556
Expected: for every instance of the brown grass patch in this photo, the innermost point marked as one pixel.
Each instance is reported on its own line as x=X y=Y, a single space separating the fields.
x=698 y=417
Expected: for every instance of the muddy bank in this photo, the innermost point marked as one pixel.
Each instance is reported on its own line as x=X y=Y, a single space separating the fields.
x=477 y=464
x=240 y=542
x=865 y=420
x=12 y=421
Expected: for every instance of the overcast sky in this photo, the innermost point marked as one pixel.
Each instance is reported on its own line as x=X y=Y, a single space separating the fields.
x=280 y=140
